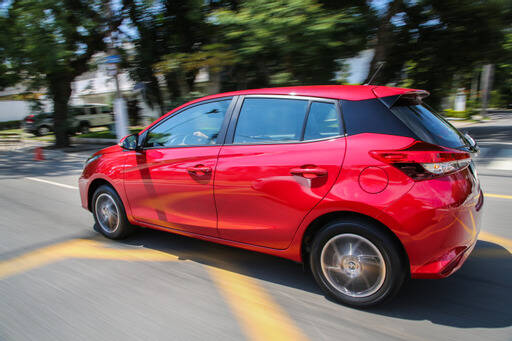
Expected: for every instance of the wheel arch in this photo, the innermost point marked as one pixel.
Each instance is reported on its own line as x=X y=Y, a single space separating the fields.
x=95 y=184
x=315 y=226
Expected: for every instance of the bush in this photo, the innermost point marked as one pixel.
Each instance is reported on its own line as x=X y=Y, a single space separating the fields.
x=458 y=114
x=10 y=125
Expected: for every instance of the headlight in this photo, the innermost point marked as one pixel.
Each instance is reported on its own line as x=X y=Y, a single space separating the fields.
x=91 y=159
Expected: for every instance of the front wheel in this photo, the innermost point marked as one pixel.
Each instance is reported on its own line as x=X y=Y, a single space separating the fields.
x=109 y=213
x=357 y=263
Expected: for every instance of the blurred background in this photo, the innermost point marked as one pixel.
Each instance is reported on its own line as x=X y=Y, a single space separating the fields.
x=56 y=57
x=76 y=75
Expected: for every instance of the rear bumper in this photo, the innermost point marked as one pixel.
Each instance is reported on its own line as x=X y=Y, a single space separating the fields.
x=446 y=265
x=438 y=223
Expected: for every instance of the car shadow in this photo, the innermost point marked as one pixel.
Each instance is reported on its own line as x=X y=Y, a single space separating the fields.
x=477 y=296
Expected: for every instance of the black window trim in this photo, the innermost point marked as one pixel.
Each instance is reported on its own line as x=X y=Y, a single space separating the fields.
x=236 y=113
x=222 y=132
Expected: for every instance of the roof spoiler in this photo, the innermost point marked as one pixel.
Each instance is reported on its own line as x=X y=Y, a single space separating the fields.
x=410 y=96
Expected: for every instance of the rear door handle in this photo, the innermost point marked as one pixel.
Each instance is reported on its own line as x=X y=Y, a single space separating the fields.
x=199 y=170
x=309 y=172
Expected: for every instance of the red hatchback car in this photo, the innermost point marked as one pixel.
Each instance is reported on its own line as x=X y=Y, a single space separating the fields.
x=366 y=184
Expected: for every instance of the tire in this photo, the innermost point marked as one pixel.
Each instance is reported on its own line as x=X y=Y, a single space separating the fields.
x=105 y=202
x=356 y=263
x=43 y=130
x=84 y=128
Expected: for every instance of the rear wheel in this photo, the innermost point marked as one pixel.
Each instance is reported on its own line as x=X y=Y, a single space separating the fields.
x=109 y=213
x=356 y=263
x=43 y=130
x=84 y=128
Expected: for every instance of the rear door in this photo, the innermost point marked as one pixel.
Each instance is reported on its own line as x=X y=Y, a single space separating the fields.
x=281 y=157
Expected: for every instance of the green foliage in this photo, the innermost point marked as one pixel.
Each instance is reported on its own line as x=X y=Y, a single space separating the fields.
x=242 y=44
x=50 y=42
x=436 y=45
x=503 y=74
x=289 y=41
x=458 y=114
x=211 y=56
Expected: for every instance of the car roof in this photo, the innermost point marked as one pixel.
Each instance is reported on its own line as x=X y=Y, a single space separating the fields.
x=346 y=92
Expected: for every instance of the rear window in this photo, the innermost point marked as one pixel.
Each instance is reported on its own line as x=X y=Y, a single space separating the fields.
x=429 y=126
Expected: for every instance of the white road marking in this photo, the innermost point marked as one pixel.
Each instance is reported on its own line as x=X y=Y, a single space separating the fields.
x=500 y=164
x=52 y=183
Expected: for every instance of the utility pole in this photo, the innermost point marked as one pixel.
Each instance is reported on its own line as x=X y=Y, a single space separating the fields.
x=120 y=111
x=485 y=87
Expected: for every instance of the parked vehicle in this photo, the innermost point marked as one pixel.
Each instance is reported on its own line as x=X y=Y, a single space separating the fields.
x=41 y=124
x=80 y=119
x=38 y=123
x=92 y=115
x=365 y=184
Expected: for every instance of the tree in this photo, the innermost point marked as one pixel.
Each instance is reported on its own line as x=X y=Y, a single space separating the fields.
x=165 y=27
x=289 y=41
x=50 y=43
x=436 y=44
x=503 y=74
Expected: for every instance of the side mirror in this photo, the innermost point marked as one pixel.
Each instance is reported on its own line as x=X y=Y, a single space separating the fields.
x=130 y=142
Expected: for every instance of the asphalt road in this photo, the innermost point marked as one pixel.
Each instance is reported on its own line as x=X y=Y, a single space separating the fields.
x=60 y=280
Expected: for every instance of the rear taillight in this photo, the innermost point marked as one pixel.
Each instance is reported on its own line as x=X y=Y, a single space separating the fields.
x=29 y=119
x=423 y=160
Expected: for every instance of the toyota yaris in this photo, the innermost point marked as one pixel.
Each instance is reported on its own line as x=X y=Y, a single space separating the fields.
x=365 y=184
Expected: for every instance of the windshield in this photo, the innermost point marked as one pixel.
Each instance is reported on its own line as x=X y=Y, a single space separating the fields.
x=429 y=126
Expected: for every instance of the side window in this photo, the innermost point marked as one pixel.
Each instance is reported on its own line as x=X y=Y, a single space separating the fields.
x=323 y=121
x=263 y=120
x=195 y=126
x=78 y=111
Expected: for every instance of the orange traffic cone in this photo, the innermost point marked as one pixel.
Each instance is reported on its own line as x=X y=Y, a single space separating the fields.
x=39 y=156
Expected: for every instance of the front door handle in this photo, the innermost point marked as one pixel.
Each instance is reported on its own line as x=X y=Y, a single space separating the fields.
x=309 y=172
x=199 y=170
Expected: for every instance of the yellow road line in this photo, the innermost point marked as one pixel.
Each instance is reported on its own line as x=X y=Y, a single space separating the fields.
x=501 y=196
x=78 y=248
x=32 y=260
x=261 y=318
x=492 y=238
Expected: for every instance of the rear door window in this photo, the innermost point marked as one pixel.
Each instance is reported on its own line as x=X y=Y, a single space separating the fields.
x=429 y=126
x=323 y=121
x=267 y=120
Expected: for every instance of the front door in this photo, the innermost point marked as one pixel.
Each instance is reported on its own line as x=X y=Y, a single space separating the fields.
x=276 y=168
x=170 y=182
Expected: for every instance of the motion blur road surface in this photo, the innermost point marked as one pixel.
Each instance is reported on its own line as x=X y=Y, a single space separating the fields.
x=60 y=280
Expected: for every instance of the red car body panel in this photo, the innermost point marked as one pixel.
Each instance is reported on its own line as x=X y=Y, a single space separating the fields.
x=259 y=201
x=250 y=199
x=162 y=191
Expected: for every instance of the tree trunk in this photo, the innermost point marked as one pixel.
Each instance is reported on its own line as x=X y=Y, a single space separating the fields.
x=60 y=91
x=214 y=85
x=384 y=37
